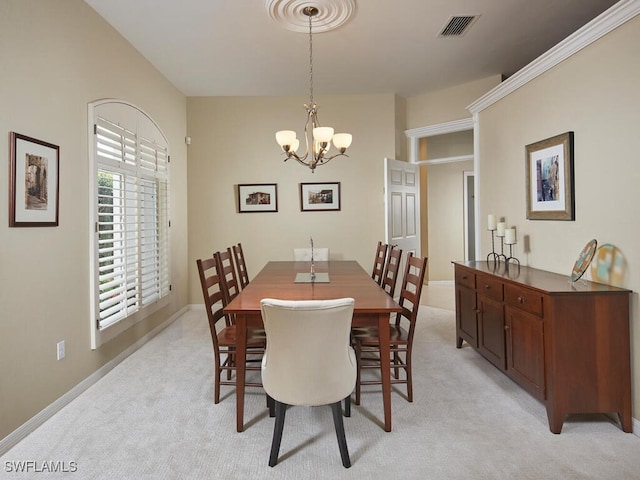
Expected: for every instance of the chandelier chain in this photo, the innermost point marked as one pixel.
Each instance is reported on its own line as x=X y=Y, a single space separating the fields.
x=310 y=63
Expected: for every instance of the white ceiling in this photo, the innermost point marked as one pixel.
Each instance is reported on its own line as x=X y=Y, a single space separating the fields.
x=233 y=47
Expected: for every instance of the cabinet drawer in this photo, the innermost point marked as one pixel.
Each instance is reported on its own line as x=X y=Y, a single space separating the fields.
x=465 y=278
x=489 y=287
x=524 y=299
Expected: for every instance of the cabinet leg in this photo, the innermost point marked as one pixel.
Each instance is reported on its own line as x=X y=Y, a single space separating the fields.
x=626 y=422
x=556 y=420
x=459 y=342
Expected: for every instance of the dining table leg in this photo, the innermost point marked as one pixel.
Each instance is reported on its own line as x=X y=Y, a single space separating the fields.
x=241 y=357
x=385 y=367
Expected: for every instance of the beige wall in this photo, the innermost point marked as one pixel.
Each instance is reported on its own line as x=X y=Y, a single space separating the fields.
x=446 y=217
x=456 y=144
x=594 y=94
x=51 y=71
x=448 y=104
x=233 y=142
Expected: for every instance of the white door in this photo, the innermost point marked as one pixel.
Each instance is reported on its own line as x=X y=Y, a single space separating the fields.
x=402 y=206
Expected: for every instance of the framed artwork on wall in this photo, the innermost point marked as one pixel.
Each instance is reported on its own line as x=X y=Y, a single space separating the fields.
x=319 y=197
x=34 y=168
x=258 y=197
x=549 y=172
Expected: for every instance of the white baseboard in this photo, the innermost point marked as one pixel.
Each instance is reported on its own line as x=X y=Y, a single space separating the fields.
x=37 y=420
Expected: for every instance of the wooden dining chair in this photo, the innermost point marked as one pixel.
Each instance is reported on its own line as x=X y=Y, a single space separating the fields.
x=379 y=262
x=228 y=280
x=401 y=333
x=241 y=266
x=321 y=370
x=391 y=269
x=224 y=336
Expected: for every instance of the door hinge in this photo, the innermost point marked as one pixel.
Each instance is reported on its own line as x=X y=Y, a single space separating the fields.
x=95 y=128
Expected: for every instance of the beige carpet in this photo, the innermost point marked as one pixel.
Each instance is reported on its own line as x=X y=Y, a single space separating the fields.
x=152 y=417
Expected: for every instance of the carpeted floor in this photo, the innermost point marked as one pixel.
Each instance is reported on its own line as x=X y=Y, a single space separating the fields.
x=152 y=417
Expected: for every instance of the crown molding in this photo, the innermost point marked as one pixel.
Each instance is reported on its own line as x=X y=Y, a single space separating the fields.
x=609 y=20
x=441 y=128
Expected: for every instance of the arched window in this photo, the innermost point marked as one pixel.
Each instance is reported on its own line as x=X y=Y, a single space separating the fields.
x=129 y=157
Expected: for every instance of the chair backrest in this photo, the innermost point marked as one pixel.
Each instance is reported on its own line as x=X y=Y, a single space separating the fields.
x=391 y=268
x=243 y=276
x=228 y=280
x=304 y=254
x=379 y=262
x=213 y=295
x=411 y=290
x=308 y=360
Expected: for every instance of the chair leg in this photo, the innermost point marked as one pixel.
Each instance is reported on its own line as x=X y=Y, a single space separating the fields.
x=216 y=382
x=358 y=352
x=396 y=361
x=342 y=439
x=347 y=406
x=272 y=406
x=231 y=361
x=409 y=377
x=281 y=410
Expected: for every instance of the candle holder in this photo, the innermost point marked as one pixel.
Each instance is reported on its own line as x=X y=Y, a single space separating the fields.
x=493 y=255
x=501 y=255
x=511 y=258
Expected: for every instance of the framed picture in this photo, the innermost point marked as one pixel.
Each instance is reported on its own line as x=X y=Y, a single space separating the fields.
x=549 y=165
x=34 y=168
x=258 y=197
x=317 y=197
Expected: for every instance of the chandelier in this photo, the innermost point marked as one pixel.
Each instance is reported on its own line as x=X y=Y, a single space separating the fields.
x=318 y=139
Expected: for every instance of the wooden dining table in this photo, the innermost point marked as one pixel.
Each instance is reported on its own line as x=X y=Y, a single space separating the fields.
x=333 y=279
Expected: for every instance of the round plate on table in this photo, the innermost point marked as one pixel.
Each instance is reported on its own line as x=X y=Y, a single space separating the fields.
x=584 y=259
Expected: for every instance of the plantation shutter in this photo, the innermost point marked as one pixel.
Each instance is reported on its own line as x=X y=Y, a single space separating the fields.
x=132 y=226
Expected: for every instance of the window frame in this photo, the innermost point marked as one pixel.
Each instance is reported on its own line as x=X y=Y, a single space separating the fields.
x=146 y=133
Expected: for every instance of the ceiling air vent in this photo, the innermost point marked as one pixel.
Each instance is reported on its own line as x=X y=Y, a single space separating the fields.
x=458 y=25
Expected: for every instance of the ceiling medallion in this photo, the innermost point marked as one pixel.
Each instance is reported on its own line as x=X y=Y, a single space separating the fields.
x=290 y=14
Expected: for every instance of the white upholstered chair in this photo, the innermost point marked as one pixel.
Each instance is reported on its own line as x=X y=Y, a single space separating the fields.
x=308 y=361
x=304 y=254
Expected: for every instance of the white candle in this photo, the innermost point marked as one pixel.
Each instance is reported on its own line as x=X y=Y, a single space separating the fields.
x=491 y=222
x=501 y=227
x=510 y=236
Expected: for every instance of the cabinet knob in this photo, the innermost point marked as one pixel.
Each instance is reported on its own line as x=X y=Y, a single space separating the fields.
x=521 y=300
x=487 y=287
x=506 y=327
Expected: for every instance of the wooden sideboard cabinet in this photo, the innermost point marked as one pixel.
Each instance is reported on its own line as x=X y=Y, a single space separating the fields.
x=567 y=343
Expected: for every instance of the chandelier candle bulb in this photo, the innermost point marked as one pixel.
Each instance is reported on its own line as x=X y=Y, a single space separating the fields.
x=491 y=222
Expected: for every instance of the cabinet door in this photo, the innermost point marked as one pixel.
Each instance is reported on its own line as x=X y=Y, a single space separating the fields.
x=466 y=318
x=525 y=350
x=491 y=331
